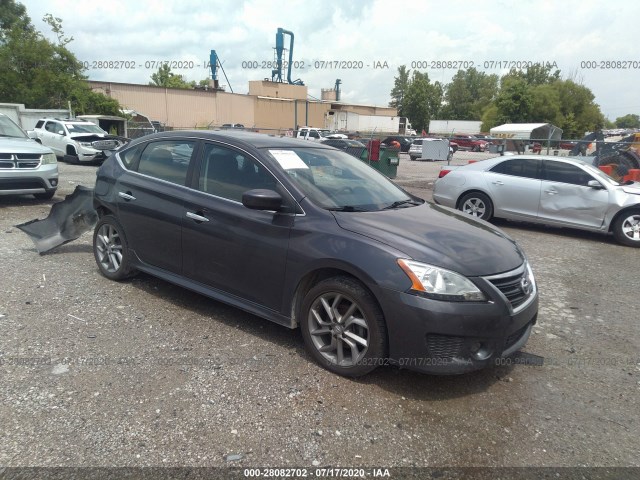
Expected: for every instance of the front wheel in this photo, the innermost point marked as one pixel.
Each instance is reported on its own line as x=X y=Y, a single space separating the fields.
x=626 y=228
x=476 y=204
x=111 y=250
x=343 y=327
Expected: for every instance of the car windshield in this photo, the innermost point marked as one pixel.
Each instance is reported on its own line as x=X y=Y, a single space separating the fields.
x=10 y=129
x=83 y=128
x=335 y=180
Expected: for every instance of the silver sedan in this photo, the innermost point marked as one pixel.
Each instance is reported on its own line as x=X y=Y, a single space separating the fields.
x=557 y=191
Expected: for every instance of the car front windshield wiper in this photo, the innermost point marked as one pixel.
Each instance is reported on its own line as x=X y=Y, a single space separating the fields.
x=403 y=204
x=347 y=208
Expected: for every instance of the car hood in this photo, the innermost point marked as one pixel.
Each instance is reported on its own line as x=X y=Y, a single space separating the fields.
x=89 y=136
x=439 y=236
x=21 y=145
x=633 y=189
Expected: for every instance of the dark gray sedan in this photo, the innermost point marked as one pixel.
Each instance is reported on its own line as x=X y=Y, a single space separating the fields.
x=305 y=235
x=565 y=192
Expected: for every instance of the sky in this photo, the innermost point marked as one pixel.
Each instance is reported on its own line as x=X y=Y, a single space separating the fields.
x=360 y=42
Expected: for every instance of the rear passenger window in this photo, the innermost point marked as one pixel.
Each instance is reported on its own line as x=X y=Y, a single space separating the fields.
x=168 y=160
x=518 y=167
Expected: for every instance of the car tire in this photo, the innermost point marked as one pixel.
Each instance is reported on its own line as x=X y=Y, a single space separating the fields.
x=351 y=346
x=111 y=250
x=476 y=204
x=475 y=148
x=48 y=195
x=626 y=228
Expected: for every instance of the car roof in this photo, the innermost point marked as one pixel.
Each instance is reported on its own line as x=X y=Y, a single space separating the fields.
x=248 y=139
x=490 y=162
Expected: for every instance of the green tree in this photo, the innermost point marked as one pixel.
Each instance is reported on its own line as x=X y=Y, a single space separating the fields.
x=515 y=101
x=399 y=90
x=536 y=74
x=40 y=73
x=13 y=15
x=422 y=100
x=164 y=77
x=469 y=94
x=628 y=121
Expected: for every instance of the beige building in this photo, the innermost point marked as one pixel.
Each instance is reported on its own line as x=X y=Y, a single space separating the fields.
x=269 y=106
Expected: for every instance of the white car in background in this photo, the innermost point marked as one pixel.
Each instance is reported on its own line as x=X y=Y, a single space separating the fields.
x=76 y=140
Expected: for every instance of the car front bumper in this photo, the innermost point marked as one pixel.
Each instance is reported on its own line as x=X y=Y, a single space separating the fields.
x=441 y=337
x=18 y=181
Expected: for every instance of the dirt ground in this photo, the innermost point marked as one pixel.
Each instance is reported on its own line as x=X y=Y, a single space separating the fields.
x=143 y=373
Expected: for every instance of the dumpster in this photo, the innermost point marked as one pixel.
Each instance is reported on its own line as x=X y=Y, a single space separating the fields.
x=434 y=149
x=499 y=148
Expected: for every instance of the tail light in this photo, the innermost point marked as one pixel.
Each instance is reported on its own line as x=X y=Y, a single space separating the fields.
x=443 y=172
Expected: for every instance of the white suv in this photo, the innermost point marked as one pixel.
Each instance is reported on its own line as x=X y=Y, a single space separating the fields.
x=75 y=140
x=25 y=166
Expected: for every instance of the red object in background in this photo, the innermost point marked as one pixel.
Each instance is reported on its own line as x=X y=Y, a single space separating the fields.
x=473 y=161
x=608 y=169
x=424 y=133
x=374 y=150
x=634 y=175
x=536 y=147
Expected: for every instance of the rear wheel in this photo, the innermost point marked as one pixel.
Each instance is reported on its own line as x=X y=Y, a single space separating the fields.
x=476 y=204
x=111 y=250
x=343 y=327
x=626 y=228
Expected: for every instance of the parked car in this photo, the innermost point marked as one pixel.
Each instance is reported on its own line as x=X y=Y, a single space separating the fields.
x=343 y=143
x=26 y=167
x=305 y=235
x=557 y=191
x=468 y=142
x=487 y=138
x=405 y=142
x=76 y=140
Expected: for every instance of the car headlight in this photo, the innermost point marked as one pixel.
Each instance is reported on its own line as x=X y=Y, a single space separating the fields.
x=440 y=284
x=49 y=158
x=86 y=144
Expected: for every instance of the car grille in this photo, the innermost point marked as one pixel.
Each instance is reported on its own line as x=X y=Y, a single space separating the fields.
x=19 y=160
x=444 y=346
x=513 y=286
x=104 y=144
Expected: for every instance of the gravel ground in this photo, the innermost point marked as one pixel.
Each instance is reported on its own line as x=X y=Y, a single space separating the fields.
x=143 y=373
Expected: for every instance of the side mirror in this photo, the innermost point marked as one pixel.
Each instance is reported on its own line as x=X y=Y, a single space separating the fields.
x=61 y=132
x=596 y=185
x=260 y=199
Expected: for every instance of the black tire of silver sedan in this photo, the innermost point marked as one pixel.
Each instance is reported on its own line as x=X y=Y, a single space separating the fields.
x=343 y=327
x=111 y=250
x=626 y=228
x=476 y=204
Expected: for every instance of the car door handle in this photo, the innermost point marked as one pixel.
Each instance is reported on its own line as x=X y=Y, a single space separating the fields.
x=551 y=192
x=498 y=182
x=127 y=196
x=196 y=217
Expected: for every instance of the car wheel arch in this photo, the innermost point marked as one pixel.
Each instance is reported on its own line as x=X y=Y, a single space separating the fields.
x=317 y=275
x=467 y=192
x=621 y=213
